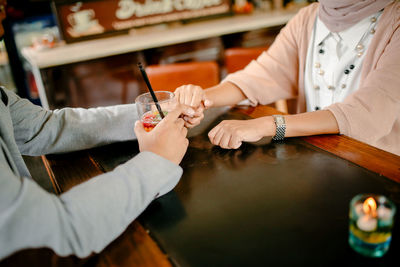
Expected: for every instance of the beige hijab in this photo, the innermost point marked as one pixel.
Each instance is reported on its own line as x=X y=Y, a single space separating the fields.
x=338 y=15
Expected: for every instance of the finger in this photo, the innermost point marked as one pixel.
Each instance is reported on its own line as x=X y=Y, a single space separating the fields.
x=188 y=96
x=197 y=97
x=196 y=120
x=218 y=136
x=189 y=126
x=224 y=143
x=174 y=114
x=235 y=142
x=192 y=124
x=199 y=111
x=188 y=111
x=189 y=123
x=182 y=94
x=177 y=92
x=213 y=132
x=180 y=123
x=196 y=116
x=186 y=142
x=184 y=131
x=139 y=129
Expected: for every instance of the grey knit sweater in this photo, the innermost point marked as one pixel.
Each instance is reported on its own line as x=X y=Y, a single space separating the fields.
x=89 y=216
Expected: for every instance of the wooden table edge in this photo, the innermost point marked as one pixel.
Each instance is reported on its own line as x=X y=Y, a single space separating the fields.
x=371 y=158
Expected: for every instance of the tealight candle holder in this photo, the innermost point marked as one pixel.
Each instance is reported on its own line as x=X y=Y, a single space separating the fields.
x=371 y=222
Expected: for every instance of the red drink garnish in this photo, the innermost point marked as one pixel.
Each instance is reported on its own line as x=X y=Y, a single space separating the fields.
x=150 y=119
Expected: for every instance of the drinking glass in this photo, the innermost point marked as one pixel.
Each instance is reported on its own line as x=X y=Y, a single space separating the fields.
x=147 y=109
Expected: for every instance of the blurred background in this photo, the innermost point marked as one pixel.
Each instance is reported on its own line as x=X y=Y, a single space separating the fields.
x=41 y=35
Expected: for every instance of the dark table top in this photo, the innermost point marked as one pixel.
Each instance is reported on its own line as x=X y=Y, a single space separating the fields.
x=279 y=204
x=268 y=203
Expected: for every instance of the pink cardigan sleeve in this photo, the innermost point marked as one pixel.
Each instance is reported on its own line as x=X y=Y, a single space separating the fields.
x=274 y=75
x=372 y=113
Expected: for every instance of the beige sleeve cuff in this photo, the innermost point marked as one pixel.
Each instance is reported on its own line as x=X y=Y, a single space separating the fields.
x=343 y=123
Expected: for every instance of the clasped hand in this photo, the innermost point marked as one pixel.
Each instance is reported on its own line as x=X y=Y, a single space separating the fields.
x=228 y=134
x=193 y=96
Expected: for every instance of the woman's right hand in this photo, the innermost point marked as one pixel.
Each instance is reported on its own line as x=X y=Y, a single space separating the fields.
x=194 y=97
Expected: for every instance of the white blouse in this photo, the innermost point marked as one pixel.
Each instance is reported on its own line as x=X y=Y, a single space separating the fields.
x=329 y=56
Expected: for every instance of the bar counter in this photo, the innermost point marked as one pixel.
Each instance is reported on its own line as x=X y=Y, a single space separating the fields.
x=267 y=203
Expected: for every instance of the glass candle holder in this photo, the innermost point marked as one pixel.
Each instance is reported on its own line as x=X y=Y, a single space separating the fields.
x=147 y=110
x=371 y=222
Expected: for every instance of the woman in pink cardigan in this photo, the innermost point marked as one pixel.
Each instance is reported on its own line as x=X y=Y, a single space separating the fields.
x=339 y=58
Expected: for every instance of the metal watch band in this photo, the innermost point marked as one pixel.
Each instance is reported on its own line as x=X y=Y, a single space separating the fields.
x=280 y=127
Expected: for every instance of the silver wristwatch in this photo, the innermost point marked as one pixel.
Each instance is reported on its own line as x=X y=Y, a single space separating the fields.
x=280 y=127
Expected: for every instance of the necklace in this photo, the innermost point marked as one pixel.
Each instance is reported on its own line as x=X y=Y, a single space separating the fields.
x=318 y=71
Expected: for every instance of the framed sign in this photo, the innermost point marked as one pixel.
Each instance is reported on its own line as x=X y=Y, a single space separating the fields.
x=82 y=20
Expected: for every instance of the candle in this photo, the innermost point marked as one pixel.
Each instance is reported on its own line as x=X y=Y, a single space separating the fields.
x=367 y=223
x=371 y=220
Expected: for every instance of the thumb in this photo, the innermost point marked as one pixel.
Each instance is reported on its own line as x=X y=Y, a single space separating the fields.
x=174 y=114
x=208 y=103
x=139 y=129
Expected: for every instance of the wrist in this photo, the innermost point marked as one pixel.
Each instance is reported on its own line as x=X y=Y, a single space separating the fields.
x=208 y=99
x=267 y=126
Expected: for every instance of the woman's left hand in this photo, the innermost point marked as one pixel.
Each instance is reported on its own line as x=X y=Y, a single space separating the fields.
x=230 y=134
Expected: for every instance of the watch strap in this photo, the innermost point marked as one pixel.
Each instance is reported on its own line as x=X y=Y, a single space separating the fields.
x=280 y=127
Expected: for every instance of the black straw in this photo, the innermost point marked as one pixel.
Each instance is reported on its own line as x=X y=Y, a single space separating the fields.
x=153 y=95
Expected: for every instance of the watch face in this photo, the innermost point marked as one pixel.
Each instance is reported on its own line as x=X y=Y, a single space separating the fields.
x=280 y=120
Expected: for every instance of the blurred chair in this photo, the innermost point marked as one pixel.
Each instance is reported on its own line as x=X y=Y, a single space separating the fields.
x=238 y=57
x=170 y=76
